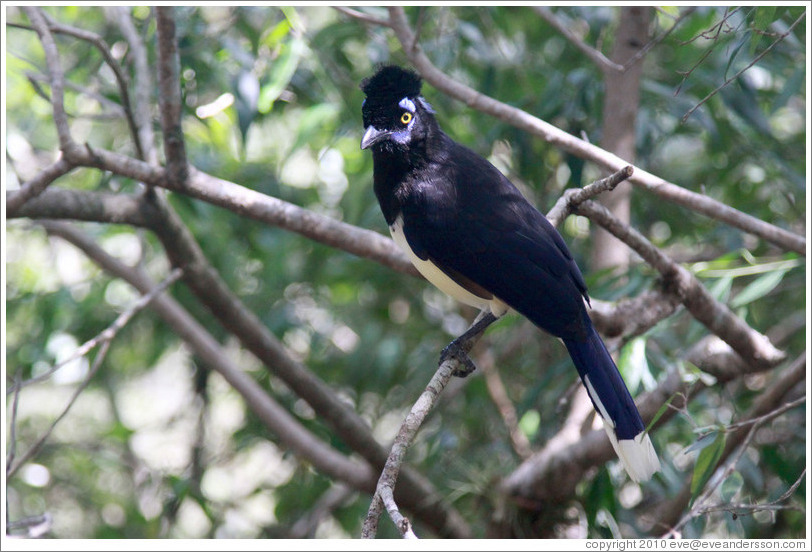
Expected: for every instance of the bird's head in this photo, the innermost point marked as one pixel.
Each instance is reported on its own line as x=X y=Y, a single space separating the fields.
x=396 y=117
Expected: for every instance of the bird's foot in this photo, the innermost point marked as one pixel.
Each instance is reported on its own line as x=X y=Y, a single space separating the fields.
x=456 y=351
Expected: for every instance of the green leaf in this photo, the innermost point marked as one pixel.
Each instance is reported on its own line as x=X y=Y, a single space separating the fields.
x=733 y=55
x=706 y=463
x=764 y=15
x=758 y=288
x=720 y=290
x=731 y=486
x=281 y=72
x=529 y=424
x=660 y=412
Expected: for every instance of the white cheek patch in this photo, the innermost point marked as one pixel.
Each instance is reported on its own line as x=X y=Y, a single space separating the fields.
x=407 y=104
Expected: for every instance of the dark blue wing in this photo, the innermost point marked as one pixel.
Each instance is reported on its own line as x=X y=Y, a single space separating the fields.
x=511 y=250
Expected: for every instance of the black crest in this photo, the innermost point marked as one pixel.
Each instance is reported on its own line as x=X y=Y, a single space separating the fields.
x=391 y=84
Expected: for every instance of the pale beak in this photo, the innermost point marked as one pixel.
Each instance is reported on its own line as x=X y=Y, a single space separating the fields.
x=372 y=136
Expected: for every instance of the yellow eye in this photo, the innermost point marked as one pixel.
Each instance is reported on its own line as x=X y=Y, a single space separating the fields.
x=406 y=117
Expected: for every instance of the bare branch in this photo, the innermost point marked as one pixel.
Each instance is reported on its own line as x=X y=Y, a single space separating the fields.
x=749 y=65
x=109 y=333
x=499 y=396
x=57 y=78
x=669 y=514
x=169 y=98
x=12 y=445
x=34 y=449
x=57 y=203
x=105 y=338
x=305 y=527
x=634 y=316
x=584 y=150
x=573 y=197
x=35 y=186
x=596 y=56
x=658 y=39
x=361 y=16
x=289 y=430
x=408 y=430
x=752 y=346
x=142 y=82
x=121 y=77
x=246 y=202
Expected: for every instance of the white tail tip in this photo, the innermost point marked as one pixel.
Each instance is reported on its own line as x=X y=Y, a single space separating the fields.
x=637 y=455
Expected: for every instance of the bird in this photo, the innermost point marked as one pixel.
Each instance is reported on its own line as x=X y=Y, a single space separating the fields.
x=469 y=231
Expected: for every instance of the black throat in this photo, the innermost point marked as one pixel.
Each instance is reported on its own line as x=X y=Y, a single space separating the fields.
x=391 y=180
x=397 y=170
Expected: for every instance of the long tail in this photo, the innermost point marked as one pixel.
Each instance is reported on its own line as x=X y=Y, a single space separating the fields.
x=615 y=405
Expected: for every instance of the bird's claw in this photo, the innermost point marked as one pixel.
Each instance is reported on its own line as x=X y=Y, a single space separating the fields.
x=464 y=364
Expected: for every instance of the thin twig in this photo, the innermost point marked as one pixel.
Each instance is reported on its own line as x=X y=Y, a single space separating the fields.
x=143 y=83
x=749 y=65
x=574 y=197
x=499 y=396
x=97 y=362
x=408 y=430
x=658 y=39
x=752 y=346
x=595 y=55
x=57 y=77
x=361 y=16
x=12 y=450
x=723 y=473
x=108 y=334
x=741 y=509
x=760 y=420
x=120 y=75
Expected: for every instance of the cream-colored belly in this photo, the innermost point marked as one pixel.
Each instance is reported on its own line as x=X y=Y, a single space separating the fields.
x=440 y=279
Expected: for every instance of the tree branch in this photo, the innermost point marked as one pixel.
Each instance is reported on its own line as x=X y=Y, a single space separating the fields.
x=499 y=396
x=58 y=203
x=596 y=56
x=143 y=83
x=752 y=346
x=361 y=16
x=246 y=202
x=35 y=186
x=169 y=99
x=584 y=150
x=408 y=430
x=57 y=78
x=749 y=65
x=573 y=197
x=105 y=338
x=669 y=514
x=289 y=431
x=121 y=77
